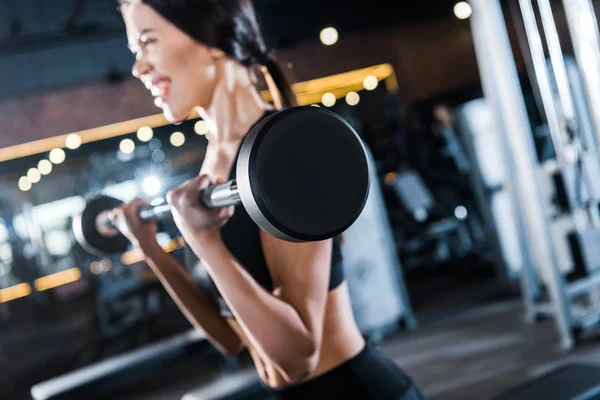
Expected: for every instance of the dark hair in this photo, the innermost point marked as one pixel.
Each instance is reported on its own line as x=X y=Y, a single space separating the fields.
x=229 y=25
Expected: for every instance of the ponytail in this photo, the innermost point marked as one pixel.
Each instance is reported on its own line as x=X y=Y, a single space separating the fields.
x=282 y=84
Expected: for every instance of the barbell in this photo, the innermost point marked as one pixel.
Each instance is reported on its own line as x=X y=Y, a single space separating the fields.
x=302 y=174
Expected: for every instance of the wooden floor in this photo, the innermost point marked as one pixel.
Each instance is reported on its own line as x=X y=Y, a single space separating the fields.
x=483 y=352
x=470 y=344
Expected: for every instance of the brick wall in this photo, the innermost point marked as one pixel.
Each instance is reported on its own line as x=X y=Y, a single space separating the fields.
x=60 y=111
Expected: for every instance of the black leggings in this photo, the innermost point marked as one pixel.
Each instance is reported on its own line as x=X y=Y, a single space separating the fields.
x=369 y=375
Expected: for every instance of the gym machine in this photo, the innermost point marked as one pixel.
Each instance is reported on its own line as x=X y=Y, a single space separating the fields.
x=564 y=187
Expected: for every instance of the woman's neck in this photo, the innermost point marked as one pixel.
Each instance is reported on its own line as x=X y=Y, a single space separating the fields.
x=236 y=105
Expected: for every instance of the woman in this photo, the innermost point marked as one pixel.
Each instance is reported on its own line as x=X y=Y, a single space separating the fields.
x=286 y=303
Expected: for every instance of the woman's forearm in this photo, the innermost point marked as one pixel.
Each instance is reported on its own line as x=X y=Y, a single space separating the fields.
x=191 y=300
x=273 y=326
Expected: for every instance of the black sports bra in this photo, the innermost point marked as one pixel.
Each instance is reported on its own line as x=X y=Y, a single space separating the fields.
x=241 y=236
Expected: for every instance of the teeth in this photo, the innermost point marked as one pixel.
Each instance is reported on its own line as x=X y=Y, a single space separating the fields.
x=159 y=89
x=148 y=84
x=158 y=102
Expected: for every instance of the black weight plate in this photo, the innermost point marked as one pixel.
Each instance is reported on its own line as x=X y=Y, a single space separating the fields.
x=303 y=174
x=86 y=233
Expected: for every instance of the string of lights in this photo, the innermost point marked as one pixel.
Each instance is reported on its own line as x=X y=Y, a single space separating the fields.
x=318 y=92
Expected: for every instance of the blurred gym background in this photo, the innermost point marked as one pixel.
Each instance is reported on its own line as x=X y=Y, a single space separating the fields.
x=475 y=268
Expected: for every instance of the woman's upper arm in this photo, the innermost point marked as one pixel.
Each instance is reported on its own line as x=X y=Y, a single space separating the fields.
x=301 y=273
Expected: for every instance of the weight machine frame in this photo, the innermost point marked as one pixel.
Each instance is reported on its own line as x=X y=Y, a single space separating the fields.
x=541 y=262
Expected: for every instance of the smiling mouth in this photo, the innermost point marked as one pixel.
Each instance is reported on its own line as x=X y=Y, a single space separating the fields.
x=160 y=92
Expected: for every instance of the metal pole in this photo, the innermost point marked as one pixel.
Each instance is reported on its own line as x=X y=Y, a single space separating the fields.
x=583 y=28
x=556 y=57
x=524 y=46
x=501 y=86
x=559 y=138
x=569 y=124
x=538 y=59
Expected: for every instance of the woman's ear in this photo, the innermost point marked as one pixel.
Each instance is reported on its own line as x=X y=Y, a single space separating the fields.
x=216 y=53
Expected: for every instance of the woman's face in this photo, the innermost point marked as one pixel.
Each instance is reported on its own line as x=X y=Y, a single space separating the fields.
x=179 y=72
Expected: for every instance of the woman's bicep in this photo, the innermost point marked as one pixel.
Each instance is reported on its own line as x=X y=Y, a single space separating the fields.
x=301 y=273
